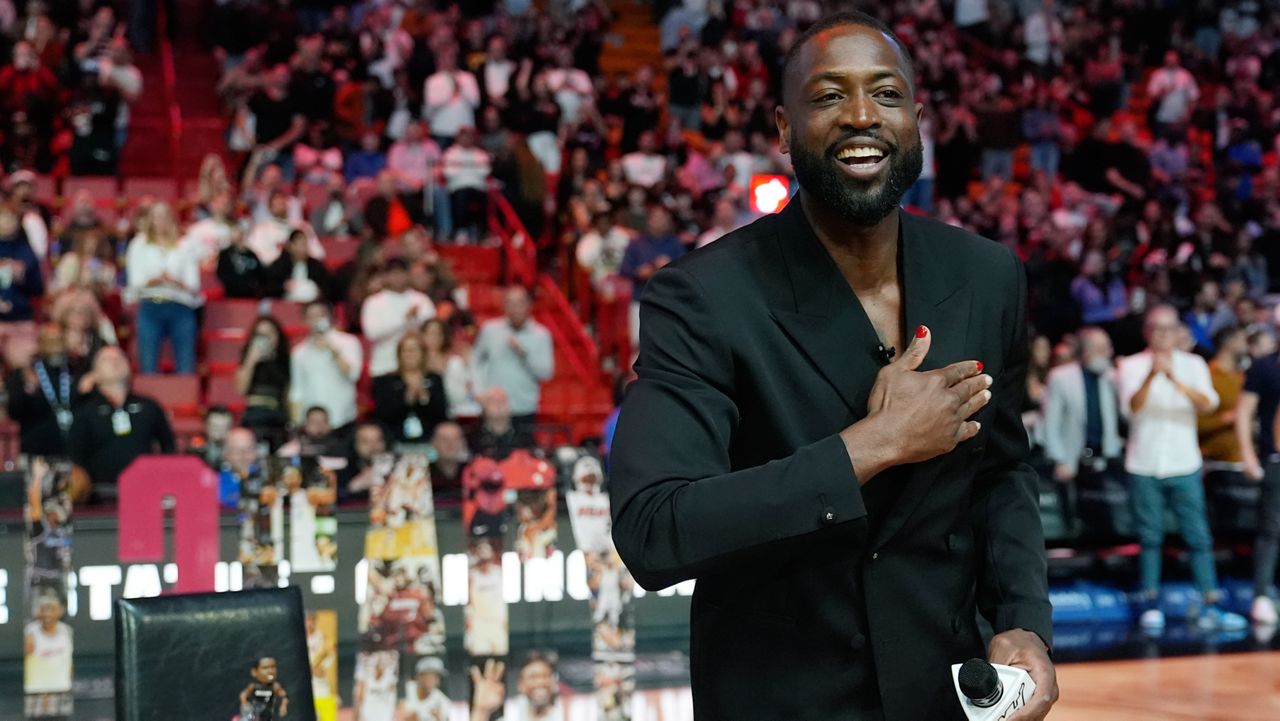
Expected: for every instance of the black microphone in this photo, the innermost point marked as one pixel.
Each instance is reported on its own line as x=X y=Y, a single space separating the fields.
x=885 y=355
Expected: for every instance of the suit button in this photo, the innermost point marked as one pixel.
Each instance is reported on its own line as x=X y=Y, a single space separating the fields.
x=874 y=556
x=828 y=515
x=858 y=642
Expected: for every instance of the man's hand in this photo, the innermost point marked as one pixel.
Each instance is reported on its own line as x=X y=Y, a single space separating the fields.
x=515 y=345
x=1252 y=468
x=1024 y=650
x=1162 y=364
x=1062 y=473
x=913 y=416
x=490 y=689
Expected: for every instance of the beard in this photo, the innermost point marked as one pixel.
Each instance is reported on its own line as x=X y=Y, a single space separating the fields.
x=860 y=203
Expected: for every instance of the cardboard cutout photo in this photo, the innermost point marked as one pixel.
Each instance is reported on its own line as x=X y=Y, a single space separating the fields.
x=47 y=638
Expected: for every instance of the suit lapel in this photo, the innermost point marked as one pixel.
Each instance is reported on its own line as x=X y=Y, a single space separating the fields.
x=822 y=315
x=937 y=296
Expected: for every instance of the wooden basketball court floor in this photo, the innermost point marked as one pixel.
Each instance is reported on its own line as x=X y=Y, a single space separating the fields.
x=1227 y=687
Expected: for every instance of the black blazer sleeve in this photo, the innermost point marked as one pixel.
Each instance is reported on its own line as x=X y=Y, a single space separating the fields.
x=678 y=509
x=1013 y=587
x=388 y=402
x=276 y=275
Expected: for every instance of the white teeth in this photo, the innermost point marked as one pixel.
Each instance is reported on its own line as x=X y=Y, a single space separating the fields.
x=859 y=151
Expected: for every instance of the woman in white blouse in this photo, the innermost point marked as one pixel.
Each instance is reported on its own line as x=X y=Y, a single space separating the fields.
x=164 y=279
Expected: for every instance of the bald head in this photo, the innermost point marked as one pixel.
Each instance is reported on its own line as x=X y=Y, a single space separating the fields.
x=1161 y=328
x=241 y=450
x=111 y=366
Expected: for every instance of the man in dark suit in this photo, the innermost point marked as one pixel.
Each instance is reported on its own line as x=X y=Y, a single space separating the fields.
x=846 y=516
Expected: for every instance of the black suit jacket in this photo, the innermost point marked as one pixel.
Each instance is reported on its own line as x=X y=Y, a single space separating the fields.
x=816 y=599
x=281 y=272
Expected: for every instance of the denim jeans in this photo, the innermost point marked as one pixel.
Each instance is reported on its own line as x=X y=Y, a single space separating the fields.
x=1044 y=157
x=174 y=321
x=436 y=197
x=1185 y=496
x=1266 y=549
x=997 y=162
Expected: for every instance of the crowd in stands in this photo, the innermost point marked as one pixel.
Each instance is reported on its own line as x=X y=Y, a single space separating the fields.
x=1126 y=150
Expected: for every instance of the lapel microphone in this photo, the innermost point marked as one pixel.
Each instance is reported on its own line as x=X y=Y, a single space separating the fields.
x=885 y=354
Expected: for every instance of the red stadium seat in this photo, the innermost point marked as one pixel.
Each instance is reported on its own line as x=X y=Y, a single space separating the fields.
x=46 y=189
x=166 y=189
x=339 y=251
x=105 y=191
x=288 y=313
x=223 y=392
x=179 y=394
x=229 y=318
x=223 y=355
x=471 y=264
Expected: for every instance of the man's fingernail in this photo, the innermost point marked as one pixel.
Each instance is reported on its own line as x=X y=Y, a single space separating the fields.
x=980 y=366
x=921 y=331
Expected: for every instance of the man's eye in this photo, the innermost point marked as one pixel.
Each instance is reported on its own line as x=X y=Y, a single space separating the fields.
x=889 y=93
x=826 y=97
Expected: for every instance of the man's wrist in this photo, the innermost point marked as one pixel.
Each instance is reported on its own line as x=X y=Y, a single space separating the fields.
x=869 y=449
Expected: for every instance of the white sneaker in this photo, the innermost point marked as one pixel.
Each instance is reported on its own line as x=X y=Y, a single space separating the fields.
x=1152 y=619
x=1264 y=611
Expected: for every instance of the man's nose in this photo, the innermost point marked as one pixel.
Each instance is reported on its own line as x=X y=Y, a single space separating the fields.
x=860 y=112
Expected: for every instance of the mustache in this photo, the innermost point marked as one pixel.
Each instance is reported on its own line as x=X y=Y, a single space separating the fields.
x=861 y=135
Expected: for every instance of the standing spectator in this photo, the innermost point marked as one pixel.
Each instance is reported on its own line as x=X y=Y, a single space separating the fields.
x=1098 y=292
x=999 y=131
x=268 y=235
x=113 y=426
x=388 y=314
x=44 y=394
x=21 y=283
x=450 y=98
x=418 y=166
x=122 y=82
x=30 y=96
x=648 y=253
x=1082 y=418
x=515 y=353
x=1042 y=127
x=466 y=174
x=410 y=401
x=164 y=278
x=1218 y=440
x=324 y=368
x=600 y=249
x=211 y=181
x=645 y=167
x=499 y=433
x=1042 y=34
x=1174 y=93
x=240 y=272
x=208 y=237
x=1163 y=390
x=1259 y=401
x=34 y=216
x=497 y=72
x=296 y=276
x=278 y=121
x=263 y=378
x=571 y=86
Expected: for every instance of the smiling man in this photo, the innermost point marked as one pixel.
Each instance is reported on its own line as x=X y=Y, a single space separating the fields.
x=825 y=428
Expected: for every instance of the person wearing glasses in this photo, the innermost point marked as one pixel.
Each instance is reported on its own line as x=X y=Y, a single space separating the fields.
x=1162 y=391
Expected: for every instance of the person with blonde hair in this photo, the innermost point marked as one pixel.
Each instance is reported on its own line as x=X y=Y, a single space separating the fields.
x=164 y=281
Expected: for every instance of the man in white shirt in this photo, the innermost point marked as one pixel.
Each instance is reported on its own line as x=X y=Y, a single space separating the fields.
x=538 y=695
x=497 y=72
x=206 y=238
x=644 y=167
x=466 y=175
x=1174 y=90
x=600 y=250
x=268 y=236
x=515 y=354
x=1163 y=390
x=324 y=368
x=570 y=86
x=450 y=98
x=390 y=313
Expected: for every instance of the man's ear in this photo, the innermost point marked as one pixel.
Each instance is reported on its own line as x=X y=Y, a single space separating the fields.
x=919 y=112
x=784 y=129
